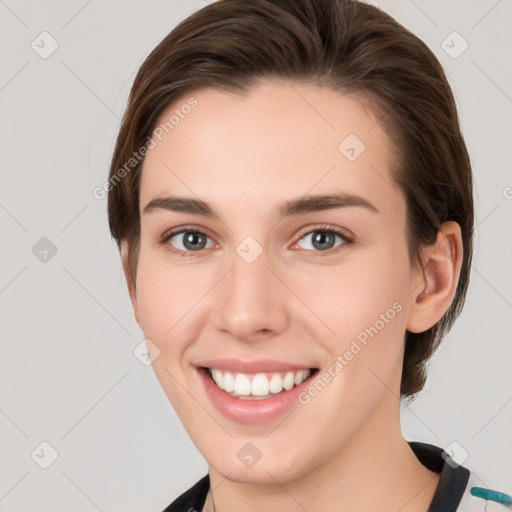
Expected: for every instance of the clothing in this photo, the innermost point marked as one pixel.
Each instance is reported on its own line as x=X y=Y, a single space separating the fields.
x=452 y=494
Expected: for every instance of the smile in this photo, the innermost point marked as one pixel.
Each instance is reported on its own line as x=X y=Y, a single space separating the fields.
x=257 y=386
x=254 y=392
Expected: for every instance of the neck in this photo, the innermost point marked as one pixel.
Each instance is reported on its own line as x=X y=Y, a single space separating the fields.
x=375 y=470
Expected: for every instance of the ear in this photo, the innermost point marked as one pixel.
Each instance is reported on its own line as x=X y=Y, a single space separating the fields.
x=438 y=279
x=131 y=286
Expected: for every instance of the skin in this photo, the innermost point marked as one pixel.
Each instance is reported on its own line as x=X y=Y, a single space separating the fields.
x=344 y=450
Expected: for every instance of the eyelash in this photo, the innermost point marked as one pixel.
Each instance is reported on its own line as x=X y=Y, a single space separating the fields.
x=164 y=239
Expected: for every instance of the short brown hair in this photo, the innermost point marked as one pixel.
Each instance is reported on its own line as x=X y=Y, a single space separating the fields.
x=348 y=46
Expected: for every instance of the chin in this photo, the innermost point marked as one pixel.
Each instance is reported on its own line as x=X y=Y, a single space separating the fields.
x=261 y=475
x=267 y=470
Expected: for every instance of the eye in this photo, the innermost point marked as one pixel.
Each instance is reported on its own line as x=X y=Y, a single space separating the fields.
x=186 y=241
x=323 y=239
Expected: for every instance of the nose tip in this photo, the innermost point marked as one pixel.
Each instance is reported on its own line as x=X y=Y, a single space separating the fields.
x=249 y=306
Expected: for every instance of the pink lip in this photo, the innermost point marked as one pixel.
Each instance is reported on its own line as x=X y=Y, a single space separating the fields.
x=252 y=411
x=261 y=366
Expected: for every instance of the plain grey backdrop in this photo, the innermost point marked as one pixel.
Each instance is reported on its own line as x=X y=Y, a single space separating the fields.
x=84 y=424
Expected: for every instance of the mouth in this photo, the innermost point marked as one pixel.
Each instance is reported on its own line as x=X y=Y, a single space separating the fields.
x=257 y=386
x=256 y=391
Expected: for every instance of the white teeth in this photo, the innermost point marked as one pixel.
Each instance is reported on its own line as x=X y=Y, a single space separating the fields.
x=242 y=385
x=259 y=385
x=276 y=384
x=217 y=377
x=229 y=382
x=288 y=381
x=300 y=377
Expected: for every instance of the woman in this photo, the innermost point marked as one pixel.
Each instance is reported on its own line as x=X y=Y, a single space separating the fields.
x=292 y=197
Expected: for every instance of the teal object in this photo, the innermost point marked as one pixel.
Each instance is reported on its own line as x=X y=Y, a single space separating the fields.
x=488 y=494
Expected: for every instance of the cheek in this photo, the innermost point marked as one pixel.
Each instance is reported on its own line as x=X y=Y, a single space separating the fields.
x=172 y=303
x=349 y=297
x=165 y=302
x=164 y=295
x=363 y=305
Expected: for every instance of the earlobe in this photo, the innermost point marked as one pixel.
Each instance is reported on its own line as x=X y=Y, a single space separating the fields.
x=440 y=275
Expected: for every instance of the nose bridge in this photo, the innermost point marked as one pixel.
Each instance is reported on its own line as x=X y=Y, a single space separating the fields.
x=249 y=301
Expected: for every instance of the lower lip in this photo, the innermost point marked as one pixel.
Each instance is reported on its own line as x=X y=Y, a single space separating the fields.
x=252 y=411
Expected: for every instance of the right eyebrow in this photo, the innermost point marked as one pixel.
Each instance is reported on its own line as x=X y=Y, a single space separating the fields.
x=181 y=204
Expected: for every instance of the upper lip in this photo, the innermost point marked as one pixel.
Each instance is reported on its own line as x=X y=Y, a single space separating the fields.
x=255 y=366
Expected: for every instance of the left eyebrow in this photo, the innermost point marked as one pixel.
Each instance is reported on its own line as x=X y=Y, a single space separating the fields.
x=317 y=203
x=298 y=206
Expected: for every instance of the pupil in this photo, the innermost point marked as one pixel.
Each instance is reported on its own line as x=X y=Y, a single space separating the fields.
x=320 y=239
x=191 y=239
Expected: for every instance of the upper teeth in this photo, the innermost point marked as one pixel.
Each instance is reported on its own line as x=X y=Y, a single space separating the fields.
x=260 y=384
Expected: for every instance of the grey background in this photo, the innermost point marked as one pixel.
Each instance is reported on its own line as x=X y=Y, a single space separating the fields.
x=68 y=373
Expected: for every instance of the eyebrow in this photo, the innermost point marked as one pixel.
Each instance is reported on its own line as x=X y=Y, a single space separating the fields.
x=298 y=206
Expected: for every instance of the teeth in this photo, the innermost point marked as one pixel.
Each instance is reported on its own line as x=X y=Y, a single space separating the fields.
x=217 y=377
x=229 y=382
x=299 y=377
x=276 y=384
x=242 y=384
x=289 y=381
x=259 y=385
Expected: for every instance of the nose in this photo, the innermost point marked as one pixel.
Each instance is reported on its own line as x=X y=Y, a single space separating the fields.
x=250 y=303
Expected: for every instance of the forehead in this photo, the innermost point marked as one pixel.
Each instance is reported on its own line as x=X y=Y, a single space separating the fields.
x=274 y=141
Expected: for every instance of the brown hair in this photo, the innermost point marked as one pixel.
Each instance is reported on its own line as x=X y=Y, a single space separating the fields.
x=346 y=45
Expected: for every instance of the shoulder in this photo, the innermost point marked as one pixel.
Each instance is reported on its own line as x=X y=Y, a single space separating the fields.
x=459 y=489
x=193 y=499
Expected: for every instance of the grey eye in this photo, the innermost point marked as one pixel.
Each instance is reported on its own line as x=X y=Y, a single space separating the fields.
x=322 y=240
x=190 y=240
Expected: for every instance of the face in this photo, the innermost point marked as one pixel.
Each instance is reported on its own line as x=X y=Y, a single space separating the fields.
x=299 y=306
